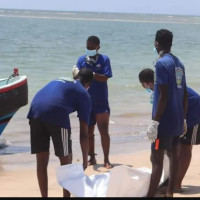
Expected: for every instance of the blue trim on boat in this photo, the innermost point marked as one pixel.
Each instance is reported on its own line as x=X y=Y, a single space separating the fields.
x=7 y=116
x=2 y=127
x=4 y=121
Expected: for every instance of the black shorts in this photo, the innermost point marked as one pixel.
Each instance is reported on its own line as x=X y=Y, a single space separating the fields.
x=165 y=143
x=42 y=132
x=192 y=137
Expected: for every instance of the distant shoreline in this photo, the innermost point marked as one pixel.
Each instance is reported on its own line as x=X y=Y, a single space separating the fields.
x=120 y=14
x=77 y=11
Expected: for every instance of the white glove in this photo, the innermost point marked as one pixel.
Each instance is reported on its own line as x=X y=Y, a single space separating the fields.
x=75 y=71
x=184 y=129
x=152 y=131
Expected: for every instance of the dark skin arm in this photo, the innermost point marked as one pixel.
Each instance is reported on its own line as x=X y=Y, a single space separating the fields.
x=84 y=142
x=162 y=102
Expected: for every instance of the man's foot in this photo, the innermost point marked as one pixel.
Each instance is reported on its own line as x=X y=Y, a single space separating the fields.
x=168 y=195
x=107 y=165
x=92 y=161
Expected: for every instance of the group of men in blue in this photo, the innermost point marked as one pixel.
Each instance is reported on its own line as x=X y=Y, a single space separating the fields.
x=175 y=114
x=51 y=106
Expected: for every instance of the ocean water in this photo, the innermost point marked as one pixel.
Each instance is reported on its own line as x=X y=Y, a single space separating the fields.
x=44 y=45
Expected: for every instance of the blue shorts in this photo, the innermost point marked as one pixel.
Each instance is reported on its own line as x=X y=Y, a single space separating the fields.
x=165 y=143
x=97 y=110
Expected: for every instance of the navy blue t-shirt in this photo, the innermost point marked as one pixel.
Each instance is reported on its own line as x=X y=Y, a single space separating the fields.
x=98 y=90
x=55 y=101
x=193 y=112
x=170 y=71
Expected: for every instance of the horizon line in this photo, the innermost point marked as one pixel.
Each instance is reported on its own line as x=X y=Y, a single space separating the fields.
x=116 y=12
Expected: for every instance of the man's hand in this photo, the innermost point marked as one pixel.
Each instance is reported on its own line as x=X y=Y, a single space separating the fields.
x=152 y=131
x=75 y=71
x=184 y=129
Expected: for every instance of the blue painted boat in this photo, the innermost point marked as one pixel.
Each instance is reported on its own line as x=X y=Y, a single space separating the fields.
x=13 y=95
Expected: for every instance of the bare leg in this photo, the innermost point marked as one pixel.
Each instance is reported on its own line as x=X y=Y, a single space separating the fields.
x=102 y=123
x=65 y=160
x=173 y=171
x=185 y=158
x=42 y=163
x=92 y=160
x=157 y=157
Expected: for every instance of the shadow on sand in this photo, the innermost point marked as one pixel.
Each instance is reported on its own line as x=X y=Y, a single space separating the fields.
x=11 y=149
x=190 y=189
x=99 y=167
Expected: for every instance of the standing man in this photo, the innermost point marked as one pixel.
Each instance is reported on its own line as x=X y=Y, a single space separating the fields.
x=192 y=136
x=169 y=112
x=100 y=65
x=49 y=118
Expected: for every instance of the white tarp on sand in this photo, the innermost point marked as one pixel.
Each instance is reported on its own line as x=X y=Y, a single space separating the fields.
x=121 y=181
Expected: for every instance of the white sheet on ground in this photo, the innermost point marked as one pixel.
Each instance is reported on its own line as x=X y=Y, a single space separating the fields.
x=121 y=181
x=72 y=178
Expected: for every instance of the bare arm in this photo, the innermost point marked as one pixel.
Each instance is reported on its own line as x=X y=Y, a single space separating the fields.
x=100 y=77
x=162 y=102
x=84 y=142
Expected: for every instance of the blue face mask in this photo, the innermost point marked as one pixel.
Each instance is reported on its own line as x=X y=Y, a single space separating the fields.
x=148 y=90
x=155 y=50
x=151 y=97
x=91 y=52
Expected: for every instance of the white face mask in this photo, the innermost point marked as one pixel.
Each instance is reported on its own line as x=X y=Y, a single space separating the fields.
x=91 y=52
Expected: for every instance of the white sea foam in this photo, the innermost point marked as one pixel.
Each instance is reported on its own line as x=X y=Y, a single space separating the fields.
x=158 y=20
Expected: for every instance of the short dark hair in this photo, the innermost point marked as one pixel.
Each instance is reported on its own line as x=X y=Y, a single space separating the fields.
x=94 y=40
x=85 y=75
x=164 y=37
x=146 y=75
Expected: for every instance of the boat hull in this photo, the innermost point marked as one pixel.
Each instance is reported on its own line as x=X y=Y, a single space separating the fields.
x=13 y=95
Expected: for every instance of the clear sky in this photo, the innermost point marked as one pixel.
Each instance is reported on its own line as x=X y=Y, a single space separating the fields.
x=177 y=7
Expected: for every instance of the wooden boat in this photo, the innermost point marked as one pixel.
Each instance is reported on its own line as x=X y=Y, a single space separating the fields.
x=13 y=95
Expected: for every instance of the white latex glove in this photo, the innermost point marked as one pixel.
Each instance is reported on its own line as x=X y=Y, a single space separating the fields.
x=75 y=71
x=184 y=129
x=152 y=131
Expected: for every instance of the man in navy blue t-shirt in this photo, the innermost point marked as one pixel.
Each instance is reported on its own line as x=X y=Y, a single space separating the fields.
x=169 y=112
x=49 y=118
x=100 y=65
x=192 y=136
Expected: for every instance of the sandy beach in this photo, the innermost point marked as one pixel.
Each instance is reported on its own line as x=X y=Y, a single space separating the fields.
x=22 y=181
